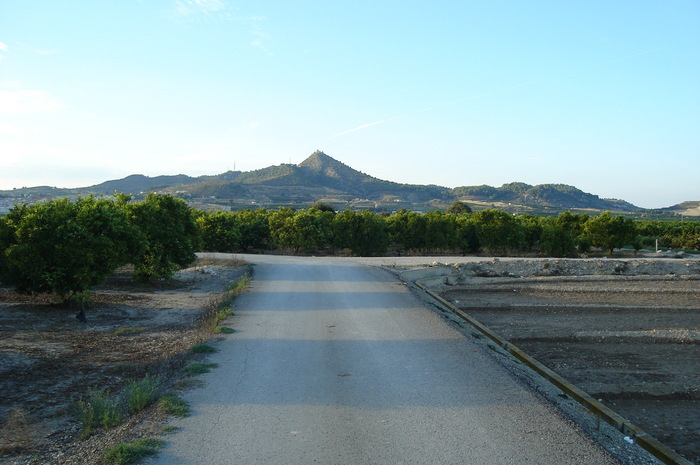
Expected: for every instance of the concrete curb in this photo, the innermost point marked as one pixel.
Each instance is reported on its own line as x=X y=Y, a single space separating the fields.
x=644 y=440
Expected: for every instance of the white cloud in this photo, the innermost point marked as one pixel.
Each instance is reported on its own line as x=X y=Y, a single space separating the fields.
x=44 y=52
x=26 y=101
x=261 y=39
x=205 y=10
x=12 y=130
x=3 y=47
x=193 y=10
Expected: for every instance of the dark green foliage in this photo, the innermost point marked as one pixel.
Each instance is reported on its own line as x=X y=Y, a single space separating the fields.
x=572 y=222
x=467 y=236
x=198 y=368
x=173 y=405
x=203 y=348
x=220 y=231
x=483 y=191
x=305 y=230
x=323 y=206
x=553 y=195
x=66 y=247
x=440 y=231
x=498 y=232
x=223 y=330
x=458 y=208
x=127 y=453
x=7 y=238
x=609 y=232
x=675 y=234
x=556 y=241
x=98 y=409
x=254 y=229
x=364 y=233
x=170 y=235
x=407 y=230
x=142 y=393
x=532 y=229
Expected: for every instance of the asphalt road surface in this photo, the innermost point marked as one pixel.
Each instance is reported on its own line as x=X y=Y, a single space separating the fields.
x=335 y=362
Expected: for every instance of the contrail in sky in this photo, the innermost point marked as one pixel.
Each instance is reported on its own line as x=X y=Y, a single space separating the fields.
x=486 y=94
x=365 y=126
x=433 y=107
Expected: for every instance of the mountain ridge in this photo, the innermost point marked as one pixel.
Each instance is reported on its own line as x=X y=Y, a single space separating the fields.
x=320 y=177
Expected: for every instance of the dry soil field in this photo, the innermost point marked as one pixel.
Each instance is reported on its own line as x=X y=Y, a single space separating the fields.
x=48 y=359
x=626 y=334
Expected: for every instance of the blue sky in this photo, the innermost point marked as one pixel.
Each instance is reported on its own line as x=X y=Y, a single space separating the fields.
x=601 y=95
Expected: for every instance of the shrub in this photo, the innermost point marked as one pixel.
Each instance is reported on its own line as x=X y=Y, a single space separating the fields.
x=98 y=410
x=223 y=330
x=203 y=349
x=132 y=452
x=198 y=368
x=174 y=406
x=141 y=394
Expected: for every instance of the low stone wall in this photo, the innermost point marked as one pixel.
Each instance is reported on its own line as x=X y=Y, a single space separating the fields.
x=458 y=272
x=579 y=267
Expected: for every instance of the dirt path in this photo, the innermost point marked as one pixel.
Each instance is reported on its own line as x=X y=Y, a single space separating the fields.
x=48 y=359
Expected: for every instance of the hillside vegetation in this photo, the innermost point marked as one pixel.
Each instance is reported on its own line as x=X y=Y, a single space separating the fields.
x=322 y=178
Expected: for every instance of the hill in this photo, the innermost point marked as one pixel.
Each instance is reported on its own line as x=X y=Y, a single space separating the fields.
x=691 y=208
x=551 y=196
x=323 y=178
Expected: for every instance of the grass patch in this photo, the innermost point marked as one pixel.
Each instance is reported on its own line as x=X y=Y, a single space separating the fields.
x=127 y=331
x=18 y=432
x=168 y=429
x=203 y=348
x=235 y=289
x=127 y=453
x=223 y=330
x=99 y=409
x=173 y=405
x=198 y=368
x=141 y=394
x=221 y=315
x=220 y=308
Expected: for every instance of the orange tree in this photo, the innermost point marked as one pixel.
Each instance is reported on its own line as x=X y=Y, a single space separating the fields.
x=66 y=247
x=364 y=232
x=609 y=232
x=169 y=235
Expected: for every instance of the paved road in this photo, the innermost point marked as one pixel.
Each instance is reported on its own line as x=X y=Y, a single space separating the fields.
x=334 y=362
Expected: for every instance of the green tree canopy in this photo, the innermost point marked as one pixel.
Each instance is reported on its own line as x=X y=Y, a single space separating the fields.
x=66 y=247
x=170 y=235
x=498 y=231
x=458 y=208
x=407 y=230
x=609 y=232
x=220 y=231
x=254 y=228
x=364 y=233
x=304 y=230
x=556 y=240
